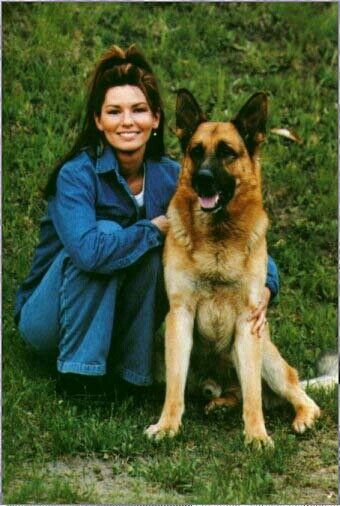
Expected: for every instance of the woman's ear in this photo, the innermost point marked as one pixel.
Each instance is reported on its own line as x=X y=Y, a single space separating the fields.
x=156 y=120
x=98 y=122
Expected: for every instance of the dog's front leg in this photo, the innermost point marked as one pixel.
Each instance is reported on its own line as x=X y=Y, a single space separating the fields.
x=247 y=358
x=178 y=344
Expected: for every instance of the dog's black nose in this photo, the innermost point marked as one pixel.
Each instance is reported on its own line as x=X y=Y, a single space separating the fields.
x=205 y=176
x=204 y=182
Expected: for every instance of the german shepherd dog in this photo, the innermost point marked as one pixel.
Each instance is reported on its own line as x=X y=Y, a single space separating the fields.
x=215 y=260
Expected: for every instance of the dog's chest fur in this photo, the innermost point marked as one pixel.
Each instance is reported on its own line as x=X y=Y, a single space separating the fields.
x=221 y=287
x=224 y=270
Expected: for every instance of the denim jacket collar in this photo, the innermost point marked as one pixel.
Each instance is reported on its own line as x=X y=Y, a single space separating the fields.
x=107 y=161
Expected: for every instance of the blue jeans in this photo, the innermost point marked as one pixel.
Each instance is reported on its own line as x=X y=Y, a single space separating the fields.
x=78 y=317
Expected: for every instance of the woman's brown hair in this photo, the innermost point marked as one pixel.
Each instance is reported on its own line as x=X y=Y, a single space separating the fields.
x=116 y=68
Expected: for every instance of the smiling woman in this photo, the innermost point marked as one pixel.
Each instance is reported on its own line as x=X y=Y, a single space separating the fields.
x=91 y=295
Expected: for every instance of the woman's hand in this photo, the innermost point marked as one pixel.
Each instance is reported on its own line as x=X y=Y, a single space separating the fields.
x=259 y=314
x=162 y=223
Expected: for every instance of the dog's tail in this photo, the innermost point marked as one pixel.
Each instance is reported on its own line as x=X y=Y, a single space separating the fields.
x=328 y=370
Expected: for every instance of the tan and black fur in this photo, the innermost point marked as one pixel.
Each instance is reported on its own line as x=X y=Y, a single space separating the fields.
x=215 y=267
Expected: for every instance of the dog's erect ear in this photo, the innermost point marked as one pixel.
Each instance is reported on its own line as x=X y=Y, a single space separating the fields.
x=188 y=116
x=251 y=121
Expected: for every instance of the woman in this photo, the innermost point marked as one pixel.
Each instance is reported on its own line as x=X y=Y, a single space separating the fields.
x=96 y=283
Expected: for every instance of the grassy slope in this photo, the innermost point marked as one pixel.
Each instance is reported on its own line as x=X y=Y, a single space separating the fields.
x=222 y=53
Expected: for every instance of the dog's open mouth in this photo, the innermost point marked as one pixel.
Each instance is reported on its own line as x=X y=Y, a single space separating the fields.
x=211 y=203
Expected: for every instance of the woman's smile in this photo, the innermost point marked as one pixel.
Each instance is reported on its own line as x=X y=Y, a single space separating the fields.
x=128 y=135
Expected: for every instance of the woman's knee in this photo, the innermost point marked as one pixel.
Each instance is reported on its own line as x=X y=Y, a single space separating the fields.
x=38 y=332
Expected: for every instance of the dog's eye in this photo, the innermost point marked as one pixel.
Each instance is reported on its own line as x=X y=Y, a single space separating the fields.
x=225 y=151
x=196 y=152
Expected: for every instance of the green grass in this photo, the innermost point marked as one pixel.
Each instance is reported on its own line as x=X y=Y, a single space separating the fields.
x=223 y=53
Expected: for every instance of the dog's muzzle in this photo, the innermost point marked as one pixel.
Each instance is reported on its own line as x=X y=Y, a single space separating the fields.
x=212 y=196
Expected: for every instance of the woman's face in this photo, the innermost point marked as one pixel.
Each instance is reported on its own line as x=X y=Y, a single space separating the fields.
x=126 y=119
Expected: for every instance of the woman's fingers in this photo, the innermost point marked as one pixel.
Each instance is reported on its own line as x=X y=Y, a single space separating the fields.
x=259 y=323
x=259 y=313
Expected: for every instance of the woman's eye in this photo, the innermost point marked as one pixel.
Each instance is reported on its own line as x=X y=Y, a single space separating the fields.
x=140 y=109
x=113 y=111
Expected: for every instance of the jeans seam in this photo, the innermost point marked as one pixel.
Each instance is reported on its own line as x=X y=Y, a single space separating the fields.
x=63 y=303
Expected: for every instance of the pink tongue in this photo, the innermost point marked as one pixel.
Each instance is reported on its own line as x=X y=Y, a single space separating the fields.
x=208 y=202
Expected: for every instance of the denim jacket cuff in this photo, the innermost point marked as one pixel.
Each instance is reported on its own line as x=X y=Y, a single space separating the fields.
x=156 y=233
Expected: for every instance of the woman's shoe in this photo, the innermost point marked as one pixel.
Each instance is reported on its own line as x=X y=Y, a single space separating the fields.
x=124 y=390
x=81 y=387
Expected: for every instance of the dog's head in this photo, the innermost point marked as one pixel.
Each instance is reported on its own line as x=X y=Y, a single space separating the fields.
x=220 y=156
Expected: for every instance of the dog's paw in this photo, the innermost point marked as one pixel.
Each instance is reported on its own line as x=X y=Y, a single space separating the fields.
x=259 y=441
x=158 y=431
x=230 y=401
x=306 y=417
x=211 y=406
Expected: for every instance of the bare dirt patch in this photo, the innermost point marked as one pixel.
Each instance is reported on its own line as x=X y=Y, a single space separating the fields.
x=109 y=481
x=314 y=479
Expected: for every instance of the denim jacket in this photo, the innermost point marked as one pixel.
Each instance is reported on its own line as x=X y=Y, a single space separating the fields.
x=91 y=190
